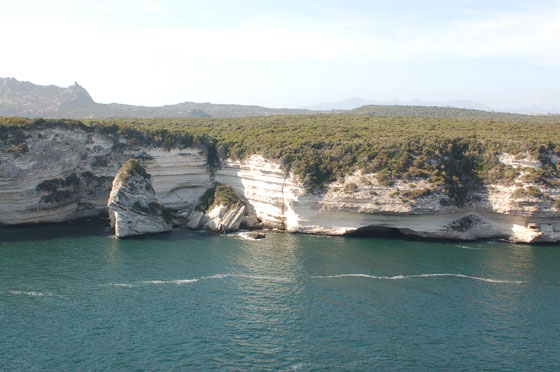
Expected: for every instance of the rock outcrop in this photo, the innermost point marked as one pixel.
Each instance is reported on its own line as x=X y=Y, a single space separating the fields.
x=221 y=210
x=224 y=218
x=133 y=208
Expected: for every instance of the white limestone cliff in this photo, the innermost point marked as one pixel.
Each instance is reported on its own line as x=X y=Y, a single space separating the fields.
x=67 y=174
x=133 y=207
x=64 y=175
x=360 y=203
x=224 y=218
x=179 y=176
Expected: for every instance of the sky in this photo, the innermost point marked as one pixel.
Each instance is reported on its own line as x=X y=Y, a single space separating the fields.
x=505 y=54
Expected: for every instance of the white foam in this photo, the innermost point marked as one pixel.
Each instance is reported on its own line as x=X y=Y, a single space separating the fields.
x=176 y=282
x=297 y=367
x=262 y=277
x=189 y=281
x=245 y=235
x=29 y=293
x=401 y=277
x=217 y=276
x=465 y=247
x=245 y=276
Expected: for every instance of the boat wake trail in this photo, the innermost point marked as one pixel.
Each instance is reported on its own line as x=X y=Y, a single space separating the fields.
x=194 y=280
x=179 y=282
x=28 y=293
x=465 y=247
x=416 y=276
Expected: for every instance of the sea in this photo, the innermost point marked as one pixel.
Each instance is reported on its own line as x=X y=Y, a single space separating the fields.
x=74 y=298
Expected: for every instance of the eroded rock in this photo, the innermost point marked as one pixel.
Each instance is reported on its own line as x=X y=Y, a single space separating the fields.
x=225 y=218
x=133 y=207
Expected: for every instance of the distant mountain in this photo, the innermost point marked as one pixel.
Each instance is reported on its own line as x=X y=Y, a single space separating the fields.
x=355 y=102
x=429 y=111
x=22 y=98
x=534 y=110
x=347 y=104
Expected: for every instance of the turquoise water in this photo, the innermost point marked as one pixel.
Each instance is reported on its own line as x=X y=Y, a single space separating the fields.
x=184 y=301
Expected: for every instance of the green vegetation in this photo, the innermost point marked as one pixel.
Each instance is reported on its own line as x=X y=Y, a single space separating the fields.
x=415 y=194
x=350 y=188
x=59 y=190
x=434 y=112
x=501 y=173
x=131 y=168
x=221 y=194
x=19 y=149
x=529 y=192
x=458 y=154
x=465 y=223
x=56 y=183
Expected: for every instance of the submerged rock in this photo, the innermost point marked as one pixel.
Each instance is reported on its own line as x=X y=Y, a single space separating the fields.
x=133 y=207
x=256 y=235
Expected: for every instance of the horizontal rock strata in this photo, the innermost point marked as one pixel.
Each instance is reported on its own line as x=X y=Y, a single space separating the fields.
x=133 y=207
x=67 y=174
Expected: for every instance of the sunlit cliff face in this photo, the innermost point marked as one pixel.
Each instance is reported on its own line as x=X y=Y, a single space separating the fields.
x=67 y=174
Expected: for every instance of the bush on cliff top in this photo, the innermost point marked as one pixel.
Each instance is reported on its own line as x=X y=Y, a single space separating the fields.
x=131 y=168
x=221 y=194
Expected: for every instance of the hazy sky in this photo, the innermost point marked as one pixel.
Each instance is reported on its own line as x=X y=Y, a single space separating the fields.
x=288 y=53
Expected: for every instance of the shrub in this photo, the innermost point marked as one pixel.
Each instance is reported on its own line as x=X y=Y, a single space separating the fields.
x=350 y=188
x=529 y=192
x=220 y=194
x=19 y=149
x=131 y=168
x=415 y=194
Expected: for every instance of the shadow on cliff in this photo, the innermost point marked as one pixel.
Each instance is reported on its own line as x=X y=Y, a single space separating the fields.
x=397 y=234
x=78 y=228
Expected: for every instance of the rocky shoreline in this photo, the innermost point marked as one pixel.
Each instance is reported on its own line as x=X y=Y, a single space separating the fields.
x=67 y=174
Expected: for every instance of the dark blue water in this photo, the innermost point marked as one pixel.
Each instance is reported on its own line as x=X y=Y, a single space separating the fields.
x=72 y=300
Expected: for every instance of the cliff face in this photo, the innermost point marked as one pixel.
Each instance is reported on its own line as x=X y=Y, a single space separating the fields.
x=67 y=174
x=360 y=203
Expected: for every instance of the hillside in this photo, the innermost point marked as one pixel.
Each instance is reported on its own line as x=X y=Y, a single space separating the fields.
x=356 y=102
x=22 y=98
x=437 y=112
